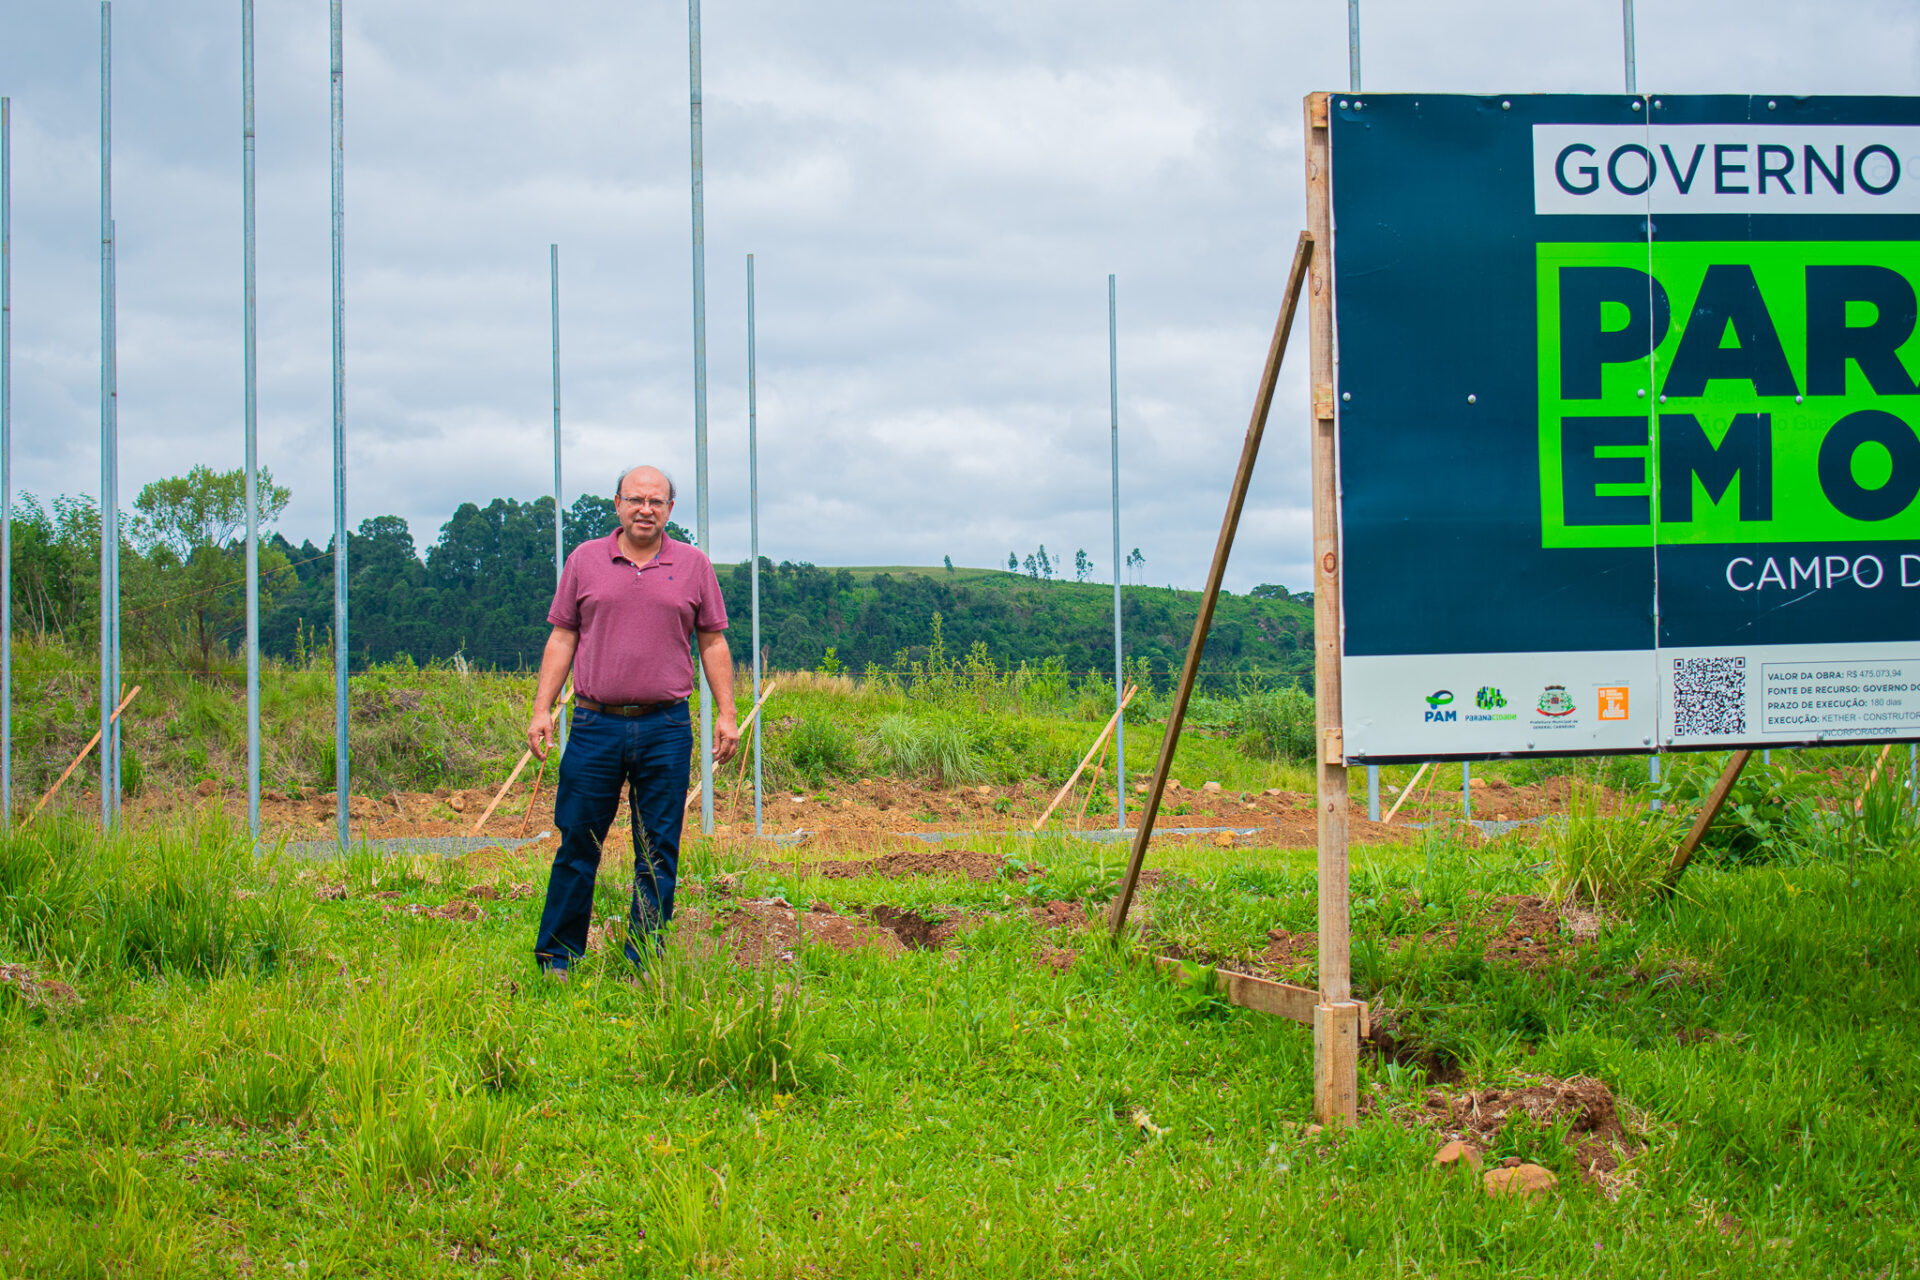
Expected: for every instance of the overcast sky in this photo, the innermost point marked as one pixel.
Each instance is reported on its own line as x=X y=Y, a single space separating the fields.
x=935 y=193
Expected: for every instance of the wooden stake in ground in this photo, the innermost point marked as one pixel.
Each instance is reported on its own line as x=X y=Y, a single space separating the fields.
x=1236 y=499
x=1872 y=777
x=745 y=749
x=1411 y=784
x=1708 y=812
x=524 y=757
x=84 y=752
x=1087 y=759
x=538 y=775
x=1336 y=1021
x=1099 y=770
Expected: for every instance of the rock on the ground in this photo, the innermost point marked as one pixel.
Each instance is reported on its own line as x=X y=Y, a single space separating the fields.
x=1211 y=788
x=457 y=802
x=1457 y=1154
x=1527 y=1180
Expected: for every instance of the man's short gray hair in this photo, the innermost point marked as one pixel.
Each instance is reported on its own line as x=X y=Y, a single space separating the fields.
x=673 y=494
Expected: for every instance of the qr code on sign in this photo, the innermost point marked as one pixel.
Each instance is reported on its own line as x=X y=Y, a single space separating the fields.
x=1709 y=696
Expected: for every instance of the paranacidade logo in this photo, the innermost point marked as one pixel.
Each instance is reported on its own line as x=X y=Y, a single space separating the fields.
x=1492 y=704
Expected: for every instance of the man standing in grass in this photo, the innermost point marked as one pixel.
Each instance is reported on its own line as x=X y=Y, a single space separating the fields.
x=628 y=612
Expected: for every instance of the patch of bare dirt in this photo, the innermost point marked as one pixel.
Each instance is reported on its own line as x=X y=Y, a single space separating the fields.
x=756 y=931
x=895 y=866
x=1056 y=959
x=877 y=815
x=1061 y=915
x=464 y=912
x=35 y=991
x=1600 y=1142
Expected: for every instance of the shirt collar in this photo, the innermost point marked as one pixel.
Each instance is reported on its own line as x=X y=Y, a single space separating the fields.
x=663 y=556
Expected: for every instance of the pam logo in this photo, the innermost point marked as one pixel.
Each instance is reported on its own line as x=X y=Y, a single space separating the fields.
x=1436 y=701
x=1717 y=393
x=1636 y=169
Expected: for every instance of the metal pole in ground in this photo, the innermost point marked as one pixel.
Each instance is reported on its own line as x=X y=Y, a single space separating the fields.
x=1353 y=85
x=700 y=389
x=1913 y=774
x=111 y=511
x=1466 y=790
x=342 y=775
x=1353 y=45
x=1626 y=36
x=107 y=684
x=753 y=532
x=1119 y=668
x=252 y=424
x=6 y=462
x=1653 y=777
x=559 y=511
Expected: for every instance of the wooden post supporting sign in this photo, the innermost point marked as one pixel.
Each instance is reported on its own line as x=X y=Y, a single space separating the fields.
x=1710 y=810
x=1336 y=1021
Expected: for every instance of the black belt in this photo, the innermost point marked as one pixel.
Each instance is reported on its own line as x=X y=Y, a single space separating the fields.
x=631 y=710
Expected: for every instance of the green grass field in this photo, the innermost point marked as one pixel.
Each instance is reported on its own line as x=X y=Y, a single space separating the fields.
x=212 y=1066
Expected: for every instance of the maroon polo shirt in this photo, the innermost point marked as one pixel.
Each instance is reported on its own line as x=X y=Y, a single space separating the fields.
x=636 y=622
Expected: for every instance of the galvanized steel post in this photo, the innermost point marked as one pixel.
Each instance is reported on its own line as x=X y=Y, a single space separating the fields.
x=1466 y=789
x=1119 y=666
x=1626 y=36
x=109 y=525
x=6 y=462
x=342 y=775
x=559 y=512
x=753 y=533
x=1353 y=45
x=700 y=392
x=252 y=420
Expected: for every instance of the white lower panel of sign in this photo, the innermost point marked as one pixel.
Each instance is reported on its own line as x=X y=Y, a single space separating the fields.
x=1771 y=694
x=1499 y=703
x=1425 y=705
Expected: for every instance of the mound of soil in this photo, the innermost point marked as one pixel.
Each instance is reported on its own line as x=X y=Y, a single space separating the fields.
x=757 y=931
x=895 y=866
x=1600 y=1142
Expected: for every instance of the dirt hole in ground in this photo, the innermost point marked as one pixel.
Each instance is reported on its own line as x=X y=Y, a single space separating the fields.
x=915 y=931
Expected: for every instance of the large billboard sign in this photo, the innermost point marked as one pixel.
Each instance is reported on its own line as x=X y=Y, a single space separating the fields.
x=1629 y=422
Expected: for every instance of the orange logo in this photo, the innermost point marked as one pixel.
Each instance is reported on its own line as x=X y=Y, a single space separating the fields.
x=1613 y=703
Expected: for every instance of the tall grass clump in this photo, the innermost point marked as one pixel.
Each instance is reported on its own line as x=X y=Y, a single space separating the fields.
x=911 y=748
x=1600 y=855
x=815 y=749
x=187 y=899
x=1276 y=723
x=710 y=1028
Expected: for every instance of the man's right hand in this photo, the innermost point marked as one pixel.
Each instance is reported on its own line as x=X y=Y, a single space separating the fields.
x=540 y=733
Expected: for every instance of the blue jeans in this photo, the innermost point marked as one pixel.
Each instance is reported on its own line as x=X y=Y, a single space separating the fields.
x=651 y=754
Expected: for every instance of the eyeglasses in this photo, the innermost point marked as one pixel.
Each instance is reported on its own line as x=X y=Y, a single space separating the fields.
x=646 y=504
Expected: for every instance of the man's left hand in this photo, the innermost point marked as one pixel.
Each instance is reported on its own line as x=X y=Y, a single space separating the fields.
x=726 y=740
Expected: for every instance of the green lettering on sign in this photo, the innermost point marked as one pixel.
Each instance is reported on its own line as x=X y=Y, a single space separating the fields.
x=1730 y=392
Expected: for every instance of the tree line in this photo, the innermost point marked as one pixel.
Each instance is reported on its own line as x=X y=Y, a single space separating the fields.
x=482 y=588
